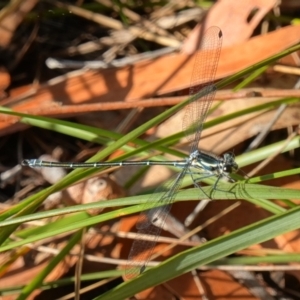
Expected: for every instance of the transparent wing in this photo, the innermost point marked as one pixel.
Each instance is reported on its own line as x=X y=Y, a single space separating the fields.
x=203 y=74
x=149 y=225
x=202 y=88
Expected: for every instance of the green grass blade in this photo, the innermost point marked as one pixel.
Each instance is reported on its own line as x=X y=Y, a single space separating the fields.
x=229 y=191
x=207 y=253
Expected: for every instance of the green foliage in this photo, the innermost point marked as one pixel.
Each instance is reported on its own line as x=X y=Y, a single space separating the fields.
x=283 y=220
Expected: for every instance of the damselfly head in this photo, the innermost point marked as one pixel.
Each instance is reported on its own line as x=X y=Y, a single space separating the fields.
x=229 y=164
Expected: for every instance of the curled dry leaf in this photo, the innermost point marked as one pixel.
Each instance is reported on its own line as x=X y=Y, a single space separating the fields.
x=92 y=190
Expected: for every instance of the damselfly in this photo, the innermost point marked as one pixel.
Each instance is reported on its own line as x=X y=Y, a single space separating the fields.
x=151 y=220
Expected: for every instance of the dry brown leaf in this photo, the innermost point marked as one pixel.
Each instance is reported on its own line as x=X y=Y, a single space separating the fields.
x=222 y=286
x=144 y=79
x=11 y=17
x=4 y=81
x=234 y=18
